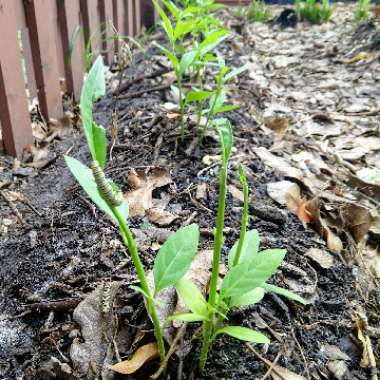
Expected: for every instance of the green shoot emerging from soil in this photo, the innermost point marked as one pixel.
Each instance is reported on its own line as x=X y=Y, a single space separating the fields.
x=314 y=12
x=246 y=280
x=258 y=12
x=362 y=11
x=176 y=254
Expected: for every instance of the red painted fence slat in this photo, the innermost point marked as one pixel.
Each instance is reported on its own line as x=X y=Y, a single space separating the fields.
x=40 y=19
x=14 y=113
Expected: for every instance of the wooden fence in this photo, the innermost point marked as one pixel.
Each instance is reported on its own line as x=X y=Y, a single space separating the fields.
x=35 y=40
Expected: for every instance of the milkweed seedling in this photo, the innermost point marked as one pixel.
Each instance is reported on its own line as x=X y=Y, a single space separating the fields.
x=314 y=12
x=258 y=12
x=362 y=10
x=176 y=254
x=246 y=280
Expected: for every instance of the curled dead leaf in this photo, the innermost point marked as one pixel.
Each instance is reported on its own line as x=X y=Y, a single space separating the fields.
x=143 y=355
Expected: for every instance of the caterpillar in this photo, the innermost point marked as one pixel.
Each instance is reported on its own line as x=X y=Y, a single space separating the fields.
x=113 y=197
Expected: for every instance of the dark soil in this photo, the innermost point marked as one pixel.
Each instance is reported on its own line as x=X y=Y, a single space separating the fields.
x=65 y=253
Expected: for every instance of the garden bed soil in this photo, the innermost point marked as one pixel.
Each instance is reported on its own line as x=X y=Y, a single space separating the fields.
x=60 y=251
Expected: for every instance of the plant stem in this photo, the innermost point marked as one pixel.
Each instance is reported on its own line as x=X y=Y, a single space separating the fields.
x=128 y=240
x=244 y=222
x=181 y=106
x=208 y=325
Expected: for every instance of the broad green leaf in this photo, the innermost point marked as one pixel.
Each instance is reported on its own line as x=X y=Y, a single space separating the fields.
x=212 y=40
x=197 y=95
x=93 y=89
x=188 y=317
x=284 y=292
x=247 y=276
x=173 y=59
x=172 y=8
x=250 y=248
x=187 y=60
x=234 y=73
x=100 y=144
x=192 y=297
x=182 y=28
x=226 y=108
x=165 y=22
x=244 y=333
x=84 y=176
x=175 y=256
x=250 y=298
x=225 y=133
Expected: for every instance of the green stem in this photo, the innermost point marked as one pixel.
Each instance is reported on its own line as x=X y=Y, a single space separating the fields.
x=128 y=240
x=208 y=325
x=210 y=113
x=244 y=222
x=181 y=107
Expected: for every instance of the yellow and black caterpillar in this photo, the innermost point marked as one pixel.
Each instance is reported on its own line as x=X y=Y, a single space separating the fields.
x=113 y=197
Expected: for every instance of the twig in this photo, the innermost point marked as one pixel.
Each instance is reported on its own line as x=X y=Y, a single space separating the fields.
x=302 y=354
x=12 y=206
x=270 y=369
x=61 y=305
x=265 y=361
x=179 y=335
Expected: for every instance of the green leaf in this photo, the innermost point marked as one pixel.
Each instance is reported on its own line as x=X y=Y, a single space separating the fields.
x=250 y=298
x=182 y=28
x=247 y=276
x=225 y=134
x=212 y=40
x=140 y=290
x=93 y=89
x=244 y=333
x=192 y=297
x=234 y=73
x=172 y=8
x=165 y=22
x=284 y=292
x=188 y=317
x=250 y=248
x=226 y=108
x=187 y=60
x=175 y=256
x=84 y=176
x=171 y=56
x=197 y=95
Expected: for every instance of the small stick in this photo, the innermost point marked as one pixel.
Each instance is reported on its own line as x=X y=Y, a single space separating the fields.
x=13 y=207
x=270 y=369
x=61 y=305
x=265 y=361
x=179 y=335
x=302 y=354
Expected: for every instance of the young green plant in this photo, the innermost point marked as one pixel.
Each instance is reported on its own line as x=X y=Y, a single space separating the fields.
x=175 y=255
x=257 y=11
x=362 y=10
x=246 y=280
x=314 y=12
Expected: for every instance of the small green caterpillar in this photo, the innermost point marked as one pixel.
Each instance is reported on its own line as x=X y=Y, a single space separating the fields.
x=113 y=197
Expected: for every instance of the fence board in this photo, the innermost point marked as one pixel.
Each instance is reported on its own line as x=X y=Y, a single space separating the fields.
x=40 y=19
x=14 y=113
x=137 y=17
x=129 y=17
x=106 y=19
x=69 y=18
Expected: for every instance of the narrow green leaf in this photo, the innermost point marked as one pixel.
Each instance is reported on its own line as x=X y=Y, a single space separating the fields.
x=234 y=73
x=171 y=56
x=183 y=28
x=140 y=290
x=226 y=108
x=244 y=333
x=197 y=95
x=284 y=292
x=100 y=144
x=250 y=298
x=187 y=60
x=172 y=8
x=93 y=89
x=188 y=317
x=73 y=41
x=212 y=40
x=166 y=22
x=192 y=297
x=249 y=275
x=84 y=176
x=175 y=256
x=250 y=248
x=225 y=133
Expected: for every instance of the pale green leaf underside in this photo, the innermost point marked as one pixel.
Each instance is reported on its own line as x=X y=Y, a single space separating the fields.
x=192 y=297
x=250 y=298
x=250 y=248
x=244 y=333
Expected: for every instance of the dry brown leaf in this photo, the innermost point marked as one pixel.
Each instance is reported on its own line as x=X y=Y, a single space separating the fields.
x=172 y=115
x=39 y=156
x=201 y=191
x=280 y=192
x=280 y=373
x=236 y=193
x=338 y=368
x=324 y=259
x=160 y=216
x=279 y=125
x=143 y=182
x=143 y=355
x=357 y=219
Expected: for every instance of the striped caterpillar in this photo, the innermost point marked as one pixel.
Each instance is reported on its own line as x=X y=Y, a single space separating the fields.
x=113 y=197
